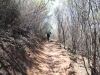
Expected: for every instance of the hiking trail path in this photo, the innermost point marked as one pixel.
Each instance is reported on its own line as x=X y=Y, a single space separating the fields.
x=53 y=60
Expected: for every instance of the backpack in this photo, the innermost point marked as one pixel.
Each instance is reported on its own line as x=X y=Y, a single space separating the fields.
x=48 y=32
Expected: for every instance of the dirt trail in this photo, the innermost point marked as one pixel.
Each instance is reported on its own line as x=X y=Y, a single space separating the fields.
x=54 y=61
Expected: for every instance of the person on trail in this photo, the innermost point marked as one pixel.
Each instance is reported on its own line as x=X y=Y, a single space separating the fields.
x=48 y=34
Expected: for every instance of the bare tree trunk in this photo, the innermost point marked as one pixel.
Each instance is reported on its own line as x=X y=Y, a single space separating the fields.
x=63 y=34
x=95 y=50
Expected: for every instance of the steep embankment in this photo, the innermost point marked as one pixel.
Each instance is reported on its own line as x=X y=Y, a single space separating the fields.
x=52 y=60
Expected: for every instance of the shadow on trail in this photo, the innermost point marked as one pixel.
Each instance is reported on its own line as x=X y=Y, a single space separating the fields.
x=49 y=61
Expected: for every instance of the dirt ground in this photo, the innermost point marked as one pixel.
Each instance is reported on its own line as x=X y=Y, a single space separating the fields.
x=53 y=60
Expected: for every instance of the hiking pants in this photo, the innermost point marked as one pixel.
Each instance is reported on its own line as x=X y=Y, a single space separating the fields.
x=48 y=36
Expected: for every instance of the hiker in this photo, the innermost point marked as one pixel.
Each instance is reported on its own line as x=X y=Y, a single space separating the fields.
x=48 y=34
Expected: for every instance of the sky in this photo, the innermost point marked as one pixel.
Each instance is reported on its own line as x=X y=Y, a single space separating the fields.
x=53 y=5
x=52 y=19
